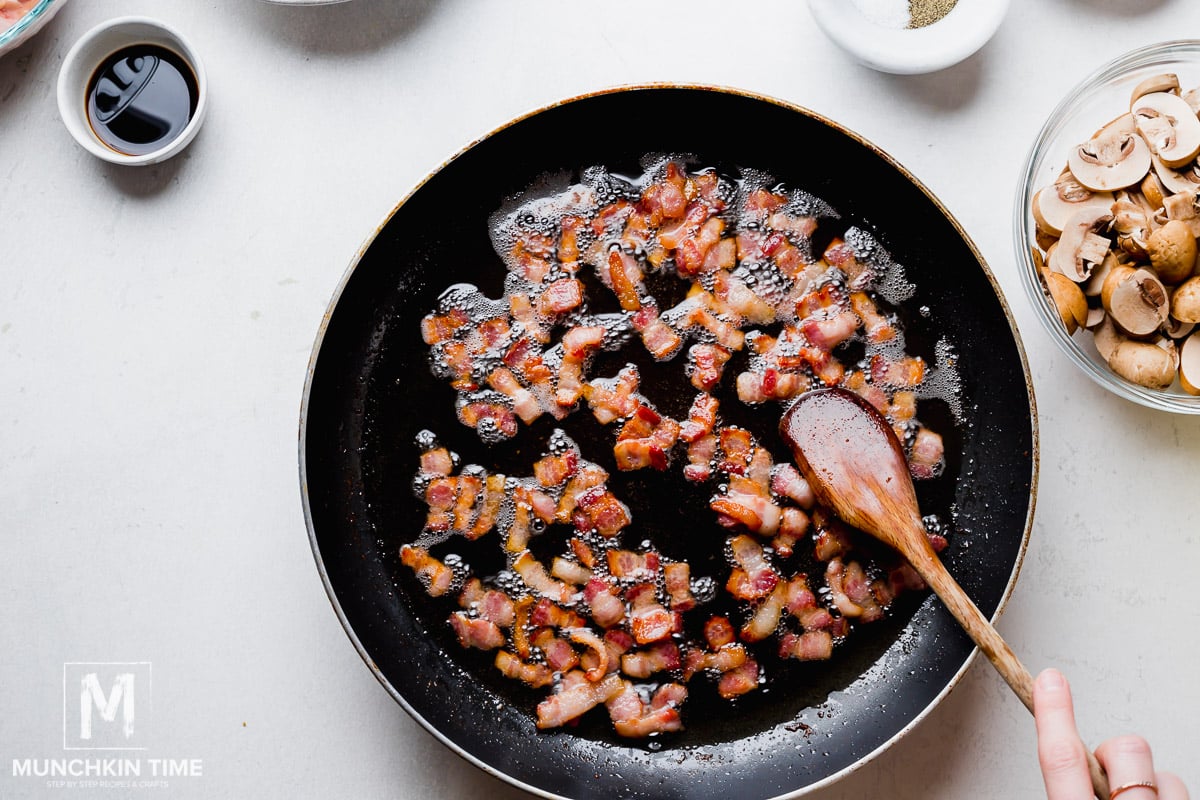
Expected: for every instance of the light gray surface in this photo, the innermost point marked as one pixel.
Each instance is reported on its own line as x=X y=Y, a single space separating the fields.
x=155 y=327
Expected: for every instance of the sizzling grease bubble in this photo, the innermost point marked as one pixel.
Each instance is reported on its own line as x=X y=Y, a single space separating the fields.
x=943 y=382
x=891 y=283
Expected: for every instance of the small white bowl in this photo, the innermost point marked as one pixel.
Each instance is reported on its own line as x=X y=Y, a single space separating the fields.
x=910 y=51
x=86 y=56
x=28 y=25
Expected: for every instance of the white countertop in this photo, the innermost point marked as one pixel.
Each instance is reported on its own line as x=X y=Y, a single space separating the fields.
x=156 y=324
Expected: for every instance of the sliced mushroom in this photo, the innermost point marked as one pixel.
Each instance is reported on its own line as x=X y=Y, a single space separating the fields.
x=1177 y=329
x=1095 y=283
x=1095 y=316
x=1172 y=251
x=1137 y=303
x=1168 y=82
x=1183 y=179
x=1143 y=363
x=1192 y=98
x=1153 y=189
x=1053 y=206
x=1081 y=247
x=1113 y=159
x=1189 y=364
x=1182 y=207
x=1167 y=345
x=1185 y=303
x=1106 y=337
x=1169 y=127
x=1068 y=299
x=1116 y=275
x=1131 y=224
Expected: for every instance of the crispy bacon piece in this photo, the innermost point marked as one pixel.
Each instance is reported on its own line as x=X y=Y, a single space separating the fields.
x=634 y=719
x=696 y=312
x=440 y=327
x=702 y=417
x=739 y=680
x=577 y=344
x=857 y=382
x=927 y=458
x=793 y=524
x=469 y=489
x=737 y=447
x=827 y=333
x=535 y=577
x=754 y=577
x=545 y=613
x=718 y=632
x=700 y=458
x=437 y=461
x=659 y=338
x=747 y=504
x=902 y=408
x=876 y=326
x=599 y=509
x=521 y=308
x=561 y=296
x=607 y=608
x=626 y=564
x=536 y=675
x=770 y=384
x=611 y=218
x=766 y=616
x=665 y=198
x=832 y=539
x=851 y=591
x=599 y=658
x=624 y=278
x=658 y=657
x=649 y=621
x=524 y=403
x=553 y=470
x=786 y=481
x=456 y=360
x=529 y=256
x=570 y=571
x=677 y=580
x=707 y=363
x=439 y=496
x=478 y=633
x=522 y=608
x=588 y=477
x=721 y=659
x=576 y=697
x=802 y=604
x=841 y=255
x=568 y=242
x=808 y=646
x=646 y=440
x=903 y=373
x=436 y=577
x=583 y=553
x=740 y=299
x=613 y=398
x=673 y=235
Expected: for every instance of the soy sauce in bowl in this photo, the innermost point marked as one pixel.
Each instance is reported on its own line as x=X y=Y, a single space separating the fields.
x=141 y=98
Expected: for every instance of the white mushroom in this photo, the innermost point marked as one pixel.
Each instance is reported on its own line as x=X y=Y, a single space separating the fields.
x=1068 y=299
x=1183 y=179
x=1095 y=317
x=1143 y=363
x=1053 y=206
x=1177 y=329
x=1172 y=251
x=1081 y=247
x=1114 y=158
x=1106 y=337
x=1168 y=82
x=1189 y=364
x=1137 y=302
x=1100 y=274
x=1182 y=207
x=1185 y=303
x=1131 y=223
x=1169 y=127
x=1152 y=188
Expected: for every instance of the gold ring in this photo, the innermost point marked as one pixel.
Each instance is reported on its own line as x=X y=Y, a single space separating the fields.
x=1124 y=787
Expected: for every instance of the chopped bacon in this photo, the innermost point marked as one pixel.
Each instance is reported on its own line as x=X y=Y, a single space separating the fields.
x=877 y=327
x=493 y=605
x=793 y=524
x=528 y=256
x=433 y=574
x=766 y=616
x=624 y=278
x=740 y=299
x=536 y=675
x=737 y=446
x=857 y=382
x=570 y=571
x=576 y=699
x=456 y=359
x=490 y=335
x=478 y=633
x=786 y=481
x=628 y=564
x=599 y=509
x=606 y=606
x=700 y=458
x=851 y=591
x=707 y=363
x=739 y=680
x=577 y=343
x=437 y=461
x=535 y=577
x=802 y=604
x=696 y=314
x=903 y=373
x=718 y=632
x=702 y=417
x=832 y=539
x=808 y=646
x=469 y=488
x=649 y=621
x=793 y=226
x=588 y=477
x=902 y=408
x=666 y=198
x=610 y=218
x=583 y=554
x=598 y=662
x=494 y=416
x=440 y=327
x=524 y=403
x=568 y=241
x=553 y=470
x=677 y=580
x=439 y=495
x=544 y=613
x=581 y=340
x=634 y=719
x=611 y=399
x=519 y=528
x=842 y=255
x=659 y=338
x=721 y=659
x=927 y=458
x=753 y=578
x=827 y=333
x=559 y=654
x=521 y=308
x=658 y=657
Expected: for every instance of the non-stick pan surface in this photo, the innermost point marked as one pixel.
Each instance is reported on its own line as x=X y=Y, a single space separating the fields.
x=370 y=391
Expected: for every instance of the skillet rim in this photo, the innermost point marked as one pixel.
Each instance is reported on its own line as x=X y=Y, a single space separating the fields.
x=817 y=117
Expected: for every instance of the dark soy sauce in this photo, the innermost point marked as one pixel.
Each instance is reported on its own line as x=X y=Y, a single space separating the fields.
x=140 y=98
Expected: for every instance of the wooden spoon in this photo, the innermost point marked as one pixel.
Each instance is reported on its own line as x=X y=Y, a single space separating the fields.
x=855 y=464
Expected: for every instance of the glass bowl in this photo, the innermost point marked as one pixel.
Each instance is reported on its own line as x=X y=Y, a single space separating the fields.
x=29 y=24
x=1100 y=98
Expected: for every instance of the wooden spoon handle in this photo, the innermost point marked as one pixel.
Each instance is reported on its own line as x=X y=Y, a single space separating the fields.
x=992 y=644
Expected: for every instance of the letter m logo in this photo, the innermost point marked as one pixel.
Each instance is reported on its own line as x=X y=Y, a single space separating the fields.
x=105 y=705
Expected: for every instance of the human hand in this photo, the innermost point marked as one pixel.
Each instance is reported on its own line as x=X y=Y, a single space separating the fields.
x=1061 y=753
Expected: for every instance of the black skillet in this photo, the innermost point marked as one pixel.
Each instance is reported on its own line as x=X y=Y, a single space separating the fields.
x=370 y=391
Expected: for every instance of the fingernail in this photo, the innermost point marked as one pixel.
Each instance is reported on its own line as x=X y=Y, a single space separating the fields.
x=1052 y=680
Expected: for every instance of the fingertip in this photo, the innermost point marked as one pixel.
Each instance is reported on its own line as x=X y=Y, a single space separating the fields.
x=1051 y=680
x=1051 y=691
